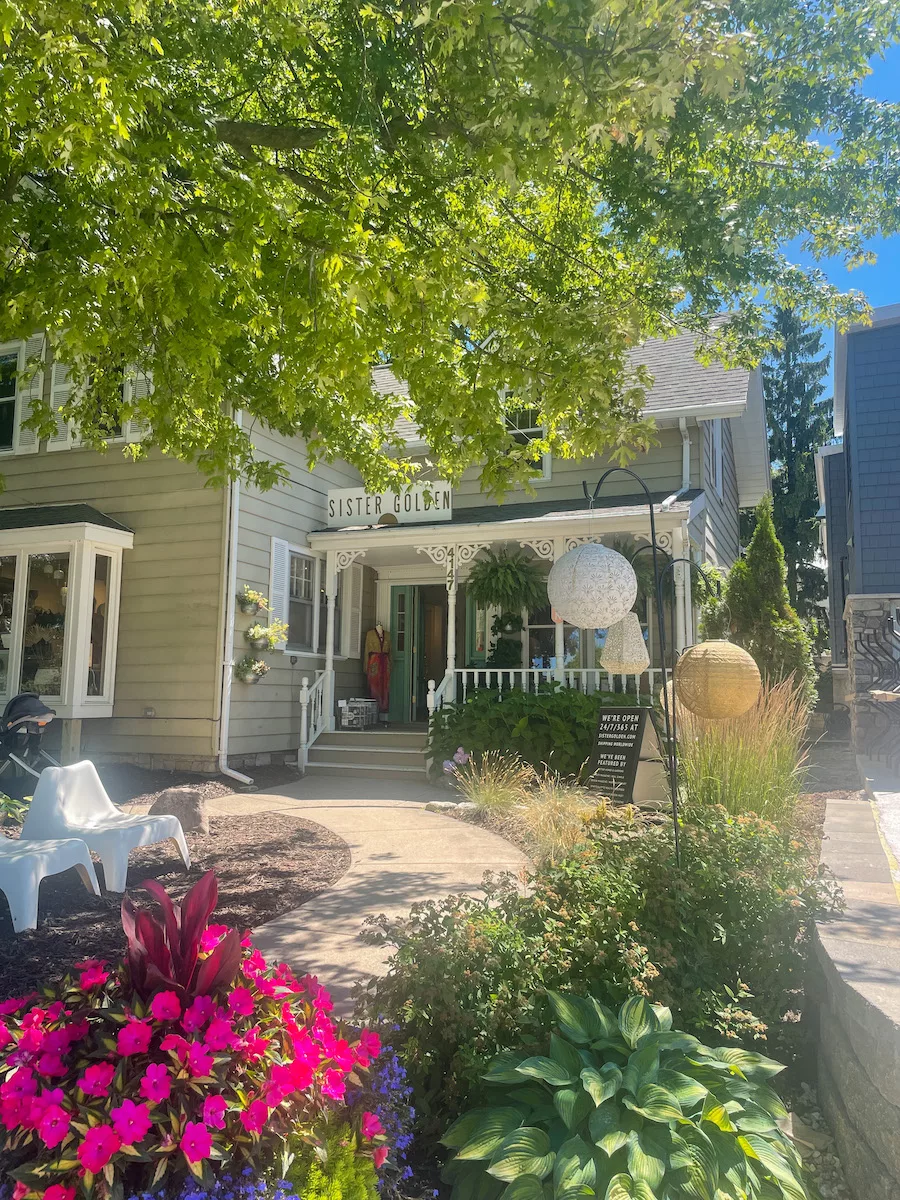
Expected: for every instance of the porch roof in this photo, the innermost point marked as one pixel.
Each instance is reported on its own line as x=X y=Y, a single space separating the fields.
x=523 y=521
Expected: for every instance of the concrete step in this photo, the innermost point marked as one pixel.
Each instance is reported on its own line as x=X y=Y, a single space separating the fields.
x=373 y=756
x=363 y=769
x=342 y=738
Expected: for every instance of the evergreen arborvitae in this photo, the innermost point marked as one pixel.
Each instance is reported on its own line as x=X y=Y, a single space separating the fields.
x=755 y=610
x=799 y=422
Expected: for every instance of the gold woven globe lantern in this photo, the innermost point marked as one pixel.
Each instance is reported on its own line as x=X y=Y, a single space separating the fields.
x=717 y=680
x=625 y=651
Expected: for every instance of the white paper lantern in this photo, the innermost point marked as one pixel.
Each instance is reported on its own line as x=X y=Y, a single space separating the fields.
x=592 y=587
x=625 y=651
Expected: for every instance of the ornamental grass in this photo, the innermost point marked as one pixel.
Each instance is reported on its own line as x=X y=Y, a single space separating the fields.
x=752 y=763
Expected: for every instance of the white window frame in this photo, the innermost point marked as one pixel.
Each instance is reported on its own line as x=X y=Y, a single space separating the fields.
x=82 y=542
x=538 y=431
x=351 y=618
x=316 y=560
x=25 y=441
x=718 y=457
x=135 y=384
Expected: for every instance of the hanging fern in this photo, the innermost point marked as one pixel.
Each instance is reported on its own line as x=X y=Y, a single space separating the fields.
x=509 y=581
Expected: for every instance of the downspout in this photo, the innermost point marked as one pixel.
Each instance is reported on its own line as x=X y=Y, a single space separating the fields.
x=230 y=580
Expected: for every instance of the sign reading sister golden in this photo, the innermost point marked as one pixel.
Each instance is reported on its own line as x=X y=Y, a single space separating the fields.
x=618 y=744
x=420 y=503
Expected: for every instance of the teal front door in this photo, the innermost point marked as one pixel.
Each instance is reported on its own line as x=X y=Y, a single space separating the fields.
x=406 y=638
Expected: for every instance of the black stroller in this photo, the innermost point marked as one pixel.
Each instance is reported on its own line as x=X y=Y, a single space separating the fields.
x=21 y=757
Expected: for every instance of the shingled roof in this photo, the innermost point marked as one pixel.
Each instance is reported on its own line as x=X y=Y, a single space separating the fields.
x=681 y=385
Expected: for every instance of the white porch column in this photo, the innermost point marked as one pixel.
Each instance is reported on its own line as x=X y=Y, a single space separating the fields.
x=680 y=569
x=330 y=601
x=559 y=629
x=452 y=585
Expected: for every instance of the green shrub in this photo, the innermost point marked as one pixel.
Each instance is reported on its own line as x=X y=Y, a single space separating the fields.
x=339 y=1174
x=554 y=727
x=722 y=940
x=626 y=1109
x=752 y=763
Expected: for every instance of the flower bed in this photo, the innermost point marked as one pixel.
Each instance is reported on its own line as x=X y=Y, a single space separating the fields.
x=192 y=1062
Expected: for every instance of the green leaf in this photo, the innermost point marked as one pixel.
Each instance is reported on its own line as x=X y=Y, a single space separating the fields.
x=776 y=1164
x=502 y=1069
x=688 y=1092
x=608 y=1128
x=495 y=1125
x=754 y=1066
x=648 y=1151
x=603 y=1084
x=464 y=1128
x=636 y=1019
x=716 y=1113
x=623 y=1187
x=526 y=1187
x=565 y=1054
x=656 y=1104
x=642 y=1068
x=663 y=1015
x=754 y=1119
x=575 y=1166
x=544 y=1068
x=669 y=1039
x=695 y=1165
x=525 y=1152
x=577 y=1017
x=573 y=1106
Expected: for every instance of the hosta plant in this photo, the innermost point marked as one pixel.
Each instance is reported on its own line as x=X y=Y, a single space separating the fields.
x=625 y=1107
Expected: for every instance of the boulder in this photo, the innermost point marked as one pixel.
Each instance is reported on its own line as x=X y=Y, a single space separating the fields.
x=186 y=803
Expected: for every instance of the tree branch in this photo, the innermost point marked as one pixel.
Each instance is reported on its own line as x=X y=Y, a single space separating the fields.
x=241 y=134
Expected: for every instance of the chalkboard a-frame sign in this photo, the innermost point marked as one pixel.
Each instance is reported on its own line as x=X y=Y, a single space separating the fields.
x=614 y=759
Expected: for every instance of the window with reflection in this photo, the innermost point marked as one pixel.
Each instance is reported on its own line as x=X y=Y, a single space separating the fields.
x=99 y=602
x=7 y=595
x=44 y=632
x=541 y=633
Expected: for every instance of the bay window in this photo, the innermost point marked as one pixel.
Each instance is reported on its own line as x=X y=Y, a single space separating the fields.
x=59 y=601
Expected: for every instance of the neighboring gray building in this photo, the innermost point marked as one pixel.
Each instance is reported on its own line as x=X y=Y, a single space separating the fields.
x=859 y=477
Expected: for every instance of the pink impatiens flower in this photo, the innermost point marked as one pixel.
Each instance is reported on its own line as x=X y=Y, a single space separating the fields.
x=198 y=1014
x=333 y=1085
x=51 y=1064
x=156 y=1084
x=219 y=1034
x=134 y=1037
x=240 y=1001
x=369 y=1047
x=342 y=1054
x=379 y=1154
x=214 y=1111
x=93 y=973
x=255 y=1117
x=100 y=1143
x=53 y=1125
x=371 y=1126
x=131 y=1121
x=96 y=1079
x=59 y=1191
x=211 y=937
x=198 y=1060
x=196 y=1141
x=165 y=1006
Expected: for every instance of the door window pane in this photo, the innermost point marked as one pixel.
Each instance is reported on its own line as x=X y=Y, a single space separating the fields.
x=9 y=365
x=7 y=590
x=400 y=631
x=45 y=623
x=100 y=601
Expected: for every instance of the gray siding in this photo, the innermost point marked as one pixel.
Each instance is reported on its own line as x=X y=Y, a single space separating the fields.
x=265 y=717
x=721 y=530
x=872 y=444
x=834 y=470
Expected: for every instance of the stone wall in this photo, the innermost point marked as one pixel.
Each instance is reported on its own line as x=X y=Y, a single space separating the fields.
x=858 y=996
x=873 y=656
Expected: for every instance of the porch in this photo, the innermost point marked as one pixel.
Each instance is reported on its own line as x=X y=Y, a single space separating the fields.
x=441 y=640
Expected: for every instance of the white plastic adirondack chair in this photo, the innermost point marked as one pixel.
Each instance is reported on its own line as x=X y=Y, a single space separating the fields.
x=72 y=802
x=23 y=864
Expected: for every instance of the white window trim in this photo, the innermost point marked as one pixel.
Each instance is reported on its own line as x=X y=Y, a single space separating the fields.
x=24 y=441
x=546 y=458
x=317 y=559
x=81 y=542
x=133 y=429
x=344 y=633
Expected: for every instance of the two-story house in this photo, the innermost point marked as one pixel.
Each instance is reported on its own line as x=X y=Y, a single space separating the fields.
x=118 y=579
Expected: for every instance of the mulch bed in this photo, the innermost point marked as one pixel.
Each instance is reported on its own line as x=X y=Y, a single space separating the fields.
x=266 y=866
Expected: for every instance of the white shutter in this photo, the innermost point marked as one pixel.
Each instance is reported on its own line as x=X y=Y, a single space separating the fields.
x=26 y=441
x=279 y=580
x=138 y=387
x=60 y=390
x=353 y=618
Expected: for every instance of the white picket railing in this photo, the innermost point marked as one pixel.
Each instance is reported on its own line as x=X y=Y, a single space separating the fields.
x=456 y=685
x=313 y=715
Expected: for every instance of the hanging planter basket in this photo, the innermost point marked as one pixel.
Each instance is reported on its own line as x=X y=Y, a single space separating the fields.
x=259 y=643
x=249 y=607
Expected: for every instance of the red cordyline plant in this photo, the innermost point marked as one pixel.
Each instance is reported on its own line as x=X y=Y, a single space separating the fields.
x=191 y=1057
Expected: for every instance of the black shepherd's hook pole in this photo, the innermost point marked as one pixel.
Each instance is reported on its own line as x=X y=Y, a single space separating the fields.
x=661 y=635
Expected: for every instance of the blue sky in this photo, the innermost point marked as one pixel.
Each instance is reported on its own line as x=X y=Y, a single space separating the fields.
x=880 y=283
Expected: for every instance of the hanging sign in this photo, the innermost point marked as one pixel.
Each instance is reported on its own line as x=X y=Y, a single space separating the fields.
x=622 y=742
x=420 y=503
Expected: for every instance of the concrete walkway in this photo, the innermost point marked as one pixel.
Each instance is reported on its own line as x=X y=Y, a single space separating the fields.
x=400 y=855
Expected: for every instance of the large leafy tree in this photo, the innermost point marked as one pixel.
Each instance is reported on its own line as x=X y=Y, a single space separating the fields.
x=799 y=421
x=254 y=202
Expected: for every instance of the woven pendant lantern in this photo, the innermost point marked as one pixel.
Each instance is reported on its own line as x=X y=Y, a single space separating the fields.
x=591 y=586
x=717 y=680
x=625 y=651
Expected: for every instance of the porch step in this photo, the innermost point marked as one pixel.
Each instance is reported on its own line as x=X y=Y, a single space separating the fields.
x=374 y=757
x=344 y=738
x=355 y=770
x=383 y=753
